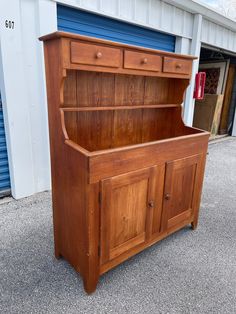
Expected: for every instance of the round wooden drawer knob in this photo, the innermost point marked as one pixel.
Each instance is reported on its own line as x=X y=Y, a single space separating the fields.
x=98 y=55
x=151 y=204
x=167 y=196
x=178 y=66
x=144 y=60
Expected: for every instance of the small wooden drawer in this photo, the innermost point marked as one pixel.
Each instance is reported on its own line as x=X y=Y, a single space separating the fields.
x=175 y=65
x=142 y=61
x=95 y=55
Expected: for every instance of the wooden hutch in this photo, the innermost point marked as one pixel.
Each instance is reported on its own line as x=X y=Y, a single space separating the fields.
x=126 y=171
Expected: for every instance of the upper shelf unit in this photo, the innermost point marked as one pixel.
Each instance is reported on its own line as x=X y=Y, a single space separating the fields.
x=82 y=53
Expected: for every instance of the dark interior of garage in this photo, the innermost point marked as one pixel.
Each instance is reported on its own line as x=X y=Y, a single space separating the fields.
x=215 y=112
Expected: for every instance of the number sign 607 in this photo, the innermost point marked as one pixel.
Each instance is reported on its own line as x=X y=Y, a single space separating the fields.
x=9 y=24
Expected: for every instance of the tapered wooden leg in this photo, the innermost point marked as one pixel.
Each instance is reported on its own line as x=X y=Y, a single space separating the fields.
x=90 y=284
x=91 y=272
x=56 y=235
x=56 y=250
x=57 y=254
x=194 y=224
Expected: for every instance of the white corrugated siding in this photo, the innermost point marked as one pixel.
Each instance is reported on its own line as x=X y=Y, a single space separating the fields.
x=217 y=35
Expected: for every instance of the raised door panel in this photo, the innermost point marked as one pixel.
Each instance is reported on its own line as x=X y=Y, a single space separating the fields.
x=181 y=190
x=126 y=211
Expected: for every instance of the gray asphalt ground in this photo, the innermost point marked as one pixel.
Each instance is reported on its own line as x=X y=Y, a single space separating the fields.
x=189 y=272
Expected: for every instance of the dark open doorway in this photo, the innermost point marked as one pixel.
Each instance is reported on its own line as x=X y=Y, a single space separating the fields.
x=215 y=113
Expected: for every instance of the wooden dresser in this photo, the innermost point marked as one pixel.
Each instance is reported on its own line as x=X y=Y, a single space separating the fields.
x=126 y=171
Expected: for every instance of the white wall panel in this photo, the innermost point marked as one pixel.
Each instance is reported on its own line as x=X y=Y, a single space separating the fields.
x=141 y=11
x=231 y=40
x=155 y=14
x=234 y=44
x=166 y=22
x=15 y=107
x=218 y=36
x=109 y=7
x=24 y=96
x=87 y=4
x=178 y=16
x=183 y=45
x=126 y=9
x=188 y=24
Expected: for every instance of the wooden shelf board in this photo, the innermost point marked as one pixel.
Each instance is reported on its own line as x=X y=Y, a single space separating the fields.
x=119 y=107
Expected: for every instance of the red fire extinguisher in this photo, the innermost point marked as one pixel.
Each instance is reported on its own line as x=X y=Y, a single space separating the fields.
x=200 y=81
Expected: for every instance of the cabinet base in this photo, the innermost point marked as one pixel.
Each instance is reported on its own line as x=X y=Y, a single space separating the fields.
x=90 y=285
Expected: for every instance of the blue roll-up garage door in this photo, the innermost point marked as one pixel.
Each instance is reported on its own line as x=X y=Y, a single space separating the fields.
x=89 y=24
x=4 y=170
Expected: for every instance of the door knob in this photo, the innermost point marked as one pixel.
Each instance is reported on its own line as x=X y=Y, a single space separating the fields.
x=144 y=60
x=167 y=196
x=151 y=204
x=98 y=55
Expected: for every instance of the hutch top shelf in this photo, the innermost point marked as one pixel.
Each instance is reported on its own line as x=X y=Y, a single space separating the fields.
x=115 y=97
x=92 y=54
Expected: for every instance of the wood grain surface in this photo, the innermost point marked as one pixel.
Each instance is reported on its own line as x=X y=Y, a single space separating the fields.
x=126 y=171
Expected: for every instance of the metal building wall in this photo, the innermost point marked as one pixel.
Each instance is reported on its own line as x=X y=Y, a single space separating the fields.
x=218 y=36
x=23 y=93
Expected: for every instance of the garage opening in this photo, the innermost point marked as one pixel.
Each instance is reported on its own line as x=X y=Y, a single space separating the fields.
x=215 y=113
x=94 y=25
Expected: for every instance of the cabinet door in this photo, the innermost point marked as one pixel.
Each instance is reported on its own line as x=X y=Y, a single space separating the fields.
x=127 y=207
x=181 y=192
